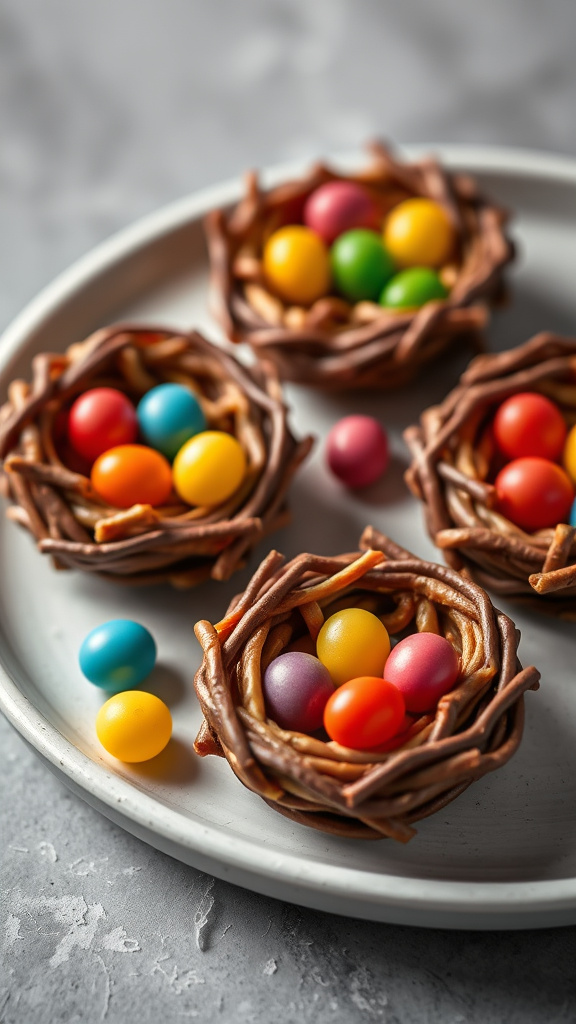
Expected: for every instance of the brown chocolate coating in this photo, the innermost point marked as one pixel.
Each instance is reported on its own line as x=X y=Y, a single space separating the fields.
x=175 y=543
x=361 y=794
x=452 y=451
x=334 y=344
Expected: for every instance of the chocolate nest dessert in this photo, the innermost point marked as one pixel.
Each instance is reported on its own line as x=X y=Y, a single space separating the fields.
x=474 y=729
x=334 y=341
x=453 y=465
x=143 y=544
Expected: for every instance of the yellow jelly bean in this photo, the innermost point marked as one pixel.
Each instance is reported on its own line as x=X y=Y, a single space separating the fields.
x=418 y=233
x=134 y=726
x=353 y=643
x=297 y=265
x=570 y=455
x=209 y=468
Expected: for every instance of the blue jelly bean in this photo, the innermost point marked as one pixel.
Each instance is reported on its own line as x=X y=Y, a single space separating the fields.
x=168 y=416
x=118 y=655
x=573 y=514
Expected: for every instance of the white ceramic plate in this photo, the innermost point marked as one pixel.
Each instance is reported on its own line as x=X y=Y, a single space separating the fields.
x=504 y=854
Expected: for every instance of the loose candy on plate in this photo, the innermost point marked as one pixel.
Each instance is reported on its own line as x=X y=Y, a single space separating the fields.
x=296 y=264
x=529 y=424
x=339 y=206
x=357 y=450
x=412 y=289
x=296 y=687
x=168 y=415
x=134 y=726
x=132 y=474
x=364 y=712
x=351 y=643
x=423 y=666
x=118 y=655
x=534 y=493
x=361 y=265
x=419 y=233
x=209 y=468
x=99 y=419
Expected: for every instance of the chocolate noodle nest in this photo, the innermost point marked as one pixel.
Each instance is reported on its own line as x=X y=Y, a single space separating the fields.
x=452 y=452
x=475 y=728
x=177 y=543
x=334 y=344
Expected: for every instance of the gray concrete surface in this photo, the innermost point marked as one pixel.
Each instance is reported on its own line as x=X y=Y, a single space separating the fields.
x=108 y=110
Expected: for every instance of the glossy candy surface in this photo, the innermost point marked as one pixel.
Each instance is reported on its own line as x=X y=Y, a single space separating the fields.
x=99 y=419
x=296 y=264
x=168 y=416
x=209 y=468
x=412 y=288
x=357 y=450
x=364 y=713
x=132 y=474
x=569 y=457
x=361 y=266
x=418 y=233
x=351 y=643
x=117 y=655
x=339 y=206
x=534 y=493
x=423 y=667
x=572 y=519
x=134 y=726
x=296 y=687
x=529 y=424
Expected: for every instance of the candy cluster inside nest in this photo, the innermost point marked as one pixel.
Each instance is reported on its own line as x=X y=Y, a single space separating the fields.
x=473 y=730
x=452 y=473
x=335 y=342
x=145 y=544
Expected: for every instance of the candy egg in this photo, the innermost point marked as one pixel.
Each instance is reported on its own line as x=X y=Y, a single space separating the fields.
x=168 y=416
x=423 y=667
x=534 y=493
x=99 y=419
x=361 y=266
x=134 y=726
x=132 y=474
x=209 y=468
x=296 y=264
x=529 y=424
x=569 y=457
x=419 y=233
x=357 y=450
x=572 y=519
x=339 y=206
x=117 y=655
x=364 y=713
x=296 y=687
x=412 y=288
x=351 y=643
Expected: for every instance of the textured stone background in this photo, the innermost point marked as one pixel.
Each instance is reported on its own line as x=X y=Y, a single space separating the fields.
x=109 y=110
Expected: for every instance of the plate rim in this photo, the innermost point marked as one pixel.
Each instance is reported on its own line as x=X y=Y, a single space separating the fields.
x=392 y=893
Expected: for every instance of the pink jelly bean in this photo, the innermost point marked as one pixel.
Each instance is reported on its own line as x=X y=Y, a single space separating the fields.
x=357 y=450
x=423 y=667
x=339 y=206
x=296 y=688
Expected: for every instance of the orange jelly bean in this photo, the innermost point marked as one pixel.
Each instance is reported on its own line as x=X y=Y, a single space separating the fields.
x=132 y=474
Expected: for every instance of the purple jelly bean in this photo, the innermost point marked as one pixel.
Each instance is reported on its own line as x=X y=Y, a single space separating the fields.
x=296 y=689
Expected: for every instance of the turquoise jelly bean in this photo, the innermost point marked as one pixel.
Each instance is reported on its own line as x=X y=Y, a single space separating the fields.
x=573 y=514
x=168 y=416
x=118 y=655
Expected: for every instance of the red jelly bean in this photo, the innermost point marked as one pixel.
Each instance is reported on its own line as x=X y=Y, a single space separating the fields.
x=529 y=424
x=534 y=493
x=357 y=450
x=363 y=713
x=423 y=667
x=100 y=419
x=339 y=206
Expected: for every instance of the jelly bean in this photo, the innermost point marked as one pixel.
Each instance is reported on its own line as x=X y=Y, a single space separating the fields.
x=353 y=642
x=412 y=288
x=364 y=713
x=296 y=264
x=419 y=233
x=569 y=457
x=168 y=416
x=209 y=468
x=339 y=206
x=296 y=687
x=423 y=667
x=572 y=519
x=99 y=419
x=529 y=424
x=534 y=493
x=357 y=450
x=117 y=655
x=134 y=726
x=132 y=475
x=361 y=266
